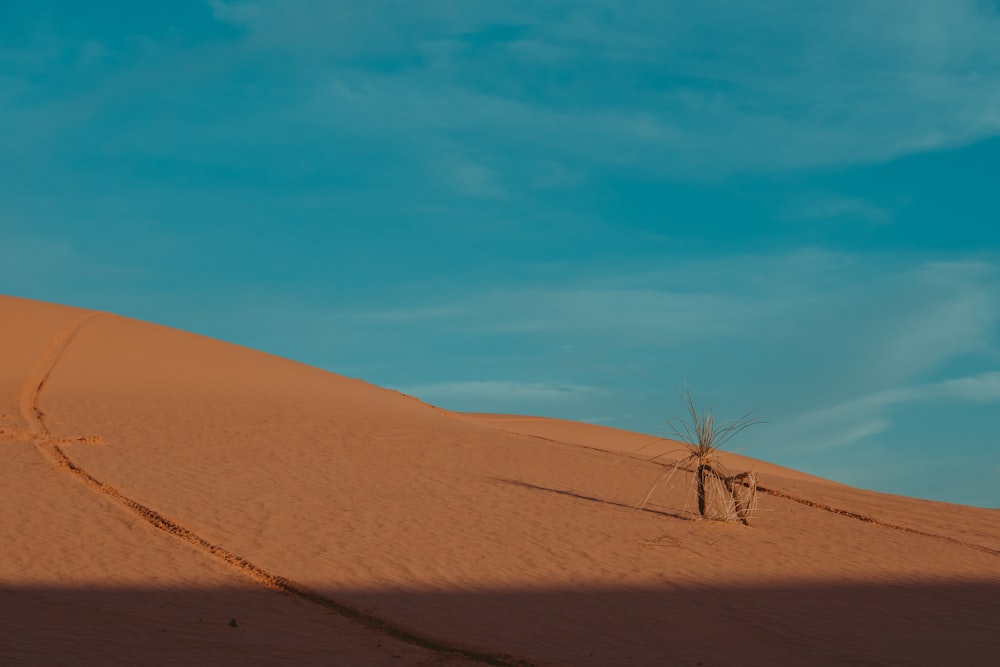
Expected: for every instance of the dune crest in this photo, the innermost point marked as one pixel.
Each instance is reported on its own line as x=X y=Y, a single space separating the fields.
x=158 y=485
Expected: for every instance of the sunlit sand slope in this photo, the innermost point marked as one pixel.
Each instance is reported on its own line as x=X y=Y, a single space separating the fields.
x=168 y=497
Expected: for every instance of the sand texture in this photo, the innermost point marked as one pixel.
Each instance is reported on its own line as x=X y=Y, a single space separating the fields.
x=167 y=498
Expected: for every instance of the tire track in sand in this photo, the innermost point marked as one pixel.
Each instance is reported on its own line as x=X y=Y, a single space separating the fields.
x=857 y=516
x=28 y=398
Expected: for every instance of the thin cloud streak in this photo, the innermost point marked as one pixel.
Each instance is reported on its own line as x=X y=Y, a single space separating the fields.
x=857 y=419
x=840 y=208
x=914 y=317
x=478 y=392
x=863 y=85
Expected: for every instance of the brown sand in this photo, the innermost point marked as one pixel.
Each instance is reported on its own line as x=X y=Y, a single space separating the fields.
x=157 y=485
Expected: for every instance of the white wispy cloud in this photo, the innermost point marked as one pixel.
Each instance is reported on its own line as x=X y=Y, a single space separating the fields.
x=487 y=393
x=636 y=314
x=858 y=419
x=838 y=207
x=407 y=315
x=473 y=179
x=682 y=91
x=983 y=388
x=950 y=308
x=908 y=317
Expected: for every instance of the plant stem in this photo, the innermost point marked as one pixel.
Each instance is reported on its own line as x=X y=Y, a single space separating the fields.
x=702 y=471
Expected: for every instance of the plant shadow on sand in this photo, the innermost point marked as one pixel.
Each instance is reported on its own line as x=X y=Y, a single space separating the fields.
x=818 y=624
x=603 y=501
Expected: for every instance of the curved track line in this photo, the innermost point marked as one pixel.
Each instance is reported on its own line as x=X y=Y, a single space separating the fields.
x=272 y=581
x=32 y=386
x=37 y=431
x=868 y=519
x=30 y=436
x=877 y=522
x=777 y=494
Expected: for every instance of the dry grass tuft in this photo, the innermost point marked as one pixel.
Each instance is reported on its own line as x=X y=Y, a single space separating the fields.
x=721 y=495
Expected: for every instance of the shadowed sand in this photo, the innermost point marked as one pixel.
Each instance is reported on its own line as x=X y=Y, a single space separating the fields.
x=156 y=484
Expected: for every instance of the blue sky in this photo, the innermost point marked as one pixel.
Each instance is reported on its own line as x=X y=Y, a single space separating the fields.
x=563 y=208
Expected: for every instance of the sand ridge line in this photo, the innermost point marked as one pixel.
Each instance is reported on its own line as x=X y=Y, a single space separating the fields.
x=49 y=447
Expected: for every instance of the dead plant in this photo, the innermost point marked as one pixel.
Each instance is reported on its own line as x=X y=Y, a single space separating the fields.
x=721 y=495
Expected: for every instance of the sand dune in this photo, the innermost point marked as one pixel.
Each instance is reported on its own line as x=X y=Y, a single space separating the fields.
x=171 y=499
